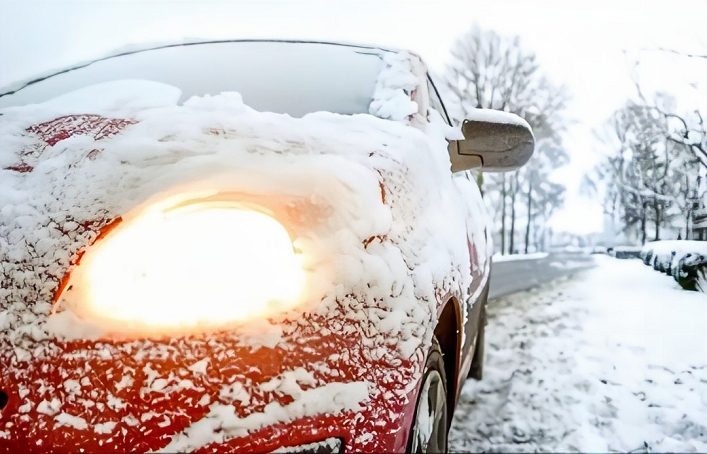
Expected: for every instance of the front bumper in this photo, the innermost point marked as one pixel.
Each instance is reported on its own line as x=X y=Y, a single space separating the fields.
x=328 y=446
x=209 y=393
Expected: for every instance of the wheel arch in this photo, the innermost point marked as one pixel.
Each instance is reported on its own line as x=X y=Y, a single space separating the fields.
x=448 y=335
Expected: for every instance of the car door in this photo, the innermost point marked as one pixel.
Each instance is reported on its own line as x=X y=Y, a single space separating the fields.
x=477 y=242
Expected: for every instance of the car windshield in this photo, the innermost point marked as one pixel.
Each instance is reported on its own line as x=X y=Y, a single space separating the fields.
x=295 y=78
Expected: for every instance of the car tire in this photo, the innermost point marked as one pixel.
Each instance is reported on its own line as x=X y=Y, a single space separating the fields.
x=430 y=425
x=476 y=371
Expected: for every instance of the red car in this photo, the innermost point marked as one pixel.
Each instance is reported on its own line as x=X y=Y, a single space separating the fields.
x=241 y=246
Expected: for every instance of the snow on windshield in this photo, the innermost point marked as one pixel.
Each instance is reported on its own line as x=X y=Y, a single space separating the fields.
x=392 y=97
x=281 y=77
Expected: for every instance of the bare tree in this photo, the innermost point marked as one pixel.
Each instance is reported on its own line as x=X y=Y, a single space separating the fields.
x=490 y=71
x=649 y=178
x=688 y=132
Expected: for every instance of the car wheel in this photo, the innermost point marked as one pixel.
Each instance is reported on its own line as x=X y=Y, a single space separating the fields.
x=430 y=426
x=476 y=371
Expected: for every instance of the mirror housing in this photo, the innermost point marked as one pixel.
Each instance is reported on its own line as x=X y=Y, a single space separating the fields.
x=494 y=141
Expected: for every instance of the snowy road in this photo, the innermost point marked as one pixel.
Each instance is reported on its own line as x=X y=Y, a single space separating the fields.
x=510 y=276
x=609 y=359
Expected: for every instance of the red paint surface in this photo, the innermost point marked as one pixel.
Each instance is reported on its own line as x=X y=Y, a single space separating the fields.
x=54 y=131
x=339 y=355
x=105 y=363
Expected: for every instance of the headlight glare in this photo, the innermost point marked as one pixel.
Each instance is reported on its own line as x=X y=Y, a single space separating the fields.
x=196 y=266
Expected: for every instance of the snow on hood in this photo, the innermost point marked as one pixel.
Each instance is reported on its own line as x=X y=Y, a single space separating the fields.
x=379 y=194
x=371 y=203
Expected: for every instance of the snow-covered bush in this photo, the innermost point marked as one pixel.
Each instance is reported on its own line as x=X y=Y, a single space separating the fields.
x=702 y=279
x=685 y=261
x=663 y=261
x=647 y=256
x=690 y=270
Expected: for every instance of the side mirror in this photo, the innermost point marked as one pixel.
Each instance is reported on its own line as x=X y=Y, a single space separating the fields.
x=495 y=141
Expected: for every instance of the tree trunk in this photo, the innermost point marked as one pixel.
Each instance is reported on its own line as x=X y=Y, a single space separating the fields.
x=514 y=191
x=689 y=205
x=530 y=217
x=656 y=207
x=503 y=214
x=688 y=216
x=643 y=224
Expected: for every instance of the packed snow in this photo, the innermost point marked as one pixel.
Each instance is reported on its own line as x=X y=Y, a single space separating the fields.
x=611 y=359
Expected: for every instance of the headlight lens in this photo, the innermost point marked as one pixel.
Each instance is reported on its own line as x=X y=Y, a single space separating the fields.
x=196 y=266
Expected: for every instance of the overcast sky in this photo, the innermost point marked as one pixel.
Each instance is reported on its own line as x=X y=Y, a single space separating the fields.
x=589 y=46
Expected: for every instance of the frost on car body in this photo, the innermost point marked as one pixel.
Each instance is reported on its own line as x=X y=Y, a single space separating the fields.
x=387 y=236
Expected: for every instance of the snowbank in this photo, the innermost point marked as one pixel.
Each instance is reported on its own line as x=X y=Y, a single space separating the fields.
x=513 y=257
x=685 y=260
x=613 y=360
x=677 y=246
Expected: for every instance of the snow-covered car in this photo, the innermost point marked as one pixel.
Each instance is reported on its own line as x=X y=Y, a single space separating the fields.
x=684 y=260
x=241 y=246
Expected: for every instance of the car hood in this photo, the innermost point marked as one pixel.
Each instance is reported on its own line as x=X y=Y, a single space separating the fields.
x=367 y=199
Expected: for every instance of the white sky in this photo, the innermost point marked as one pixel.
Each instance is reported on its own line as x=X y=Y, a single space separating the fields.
x=579 y=44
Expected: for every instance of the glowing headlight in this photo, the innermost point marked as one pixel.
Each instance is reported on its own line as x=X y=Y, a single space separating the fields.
x=195 y=266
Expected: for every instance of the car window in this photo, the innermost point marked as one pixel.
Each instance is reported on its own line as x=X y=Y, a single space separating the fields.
x=436 y=101
x=295 y=78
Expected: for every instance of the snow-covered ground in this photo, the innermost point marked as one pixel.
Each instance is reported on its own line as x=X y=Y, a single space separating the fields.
x=610 y=359
x=497 y=257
